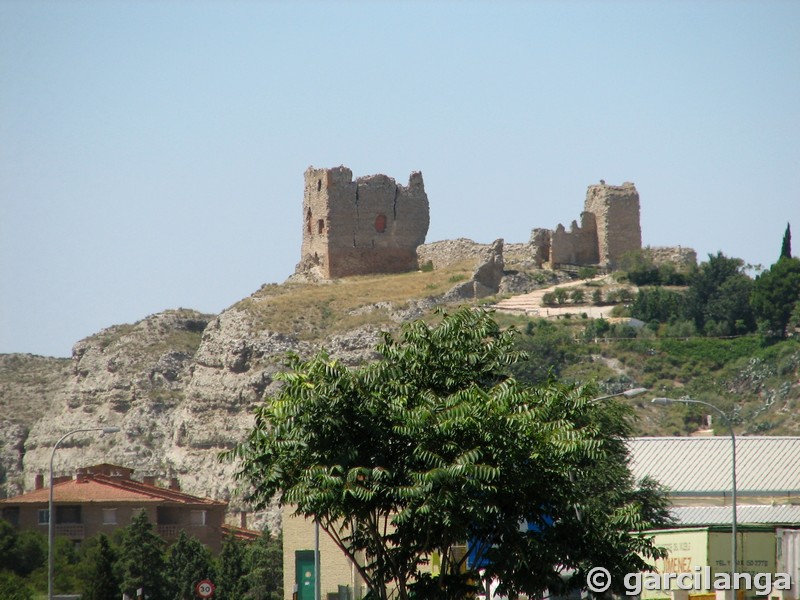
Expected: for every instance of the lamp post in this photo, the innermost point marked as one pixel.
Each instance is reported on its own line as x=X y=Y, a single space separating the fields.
x=317 y=582
x=51 y=532
x=664 y=401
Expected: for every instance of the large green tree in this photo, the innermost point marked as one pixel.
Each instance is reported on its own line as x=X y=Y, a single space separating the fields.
x=264 y=565
x=100 y=581
x=188 y=563
x=436 y=444
x=231 y=579
x=718 y=297
x=141 y=560
x=786 y=245
x=776 y=294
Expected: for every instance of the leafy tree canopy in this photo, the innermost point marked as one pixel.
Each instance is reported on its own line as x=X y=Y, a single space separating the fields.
x=718 y=297
x=776 y=295
x=264 y=567
x=436 y=444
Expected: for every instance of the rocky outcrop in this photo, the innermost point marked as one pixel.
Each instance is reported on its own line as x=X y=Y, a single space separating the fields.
x=181 y=385
x=486 y=278
x=28 y=387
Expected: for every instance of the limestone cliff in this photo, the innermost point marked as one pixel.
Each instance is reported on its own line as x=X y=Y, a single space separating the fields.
x=182 y=385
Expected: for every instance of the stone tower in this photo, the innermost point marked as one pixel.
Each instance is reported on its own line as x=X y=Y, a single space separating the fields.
x=616 y=214
x=370 y=225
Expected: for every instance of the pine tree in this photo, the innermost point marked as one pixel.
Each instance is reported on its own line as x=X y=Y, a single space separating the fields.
x=102 y=582
x=786 y=247
x=265 y=568
x=142 y=560
x=189 y=562
x=231 y=578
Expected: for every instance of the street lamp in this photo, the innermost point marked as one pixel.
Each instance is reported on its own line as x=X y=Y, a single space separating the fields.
x=664 y=401
x=627 y=393
x=51 y=532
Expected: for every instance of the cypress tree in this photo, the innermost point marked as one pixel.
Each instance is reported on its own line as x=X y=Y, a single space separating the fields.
x=786 y=247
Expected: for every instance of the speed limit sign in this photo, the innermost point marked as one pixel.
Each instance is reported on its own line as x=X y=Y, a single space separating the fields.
x=205 y=589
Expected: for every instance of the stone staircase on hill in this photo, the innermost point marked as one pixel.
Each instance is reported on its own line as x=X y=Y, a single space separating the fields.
x=530 y=304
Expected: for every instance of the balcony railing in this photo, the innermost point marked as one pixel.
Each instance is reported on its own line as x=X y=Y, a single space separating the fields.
x=168 y=532
x=73 y=531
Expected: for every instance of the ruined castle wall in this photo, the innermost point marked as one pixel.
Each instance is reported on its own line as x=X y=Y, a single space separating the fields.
x=575 y=247
x=684 y=259
x=616 y=211
x=371 y=225
x=540 y=245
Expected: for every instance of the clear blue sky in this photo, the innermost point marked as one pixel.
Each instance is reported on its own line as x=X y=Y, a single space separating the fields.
x=152 y=153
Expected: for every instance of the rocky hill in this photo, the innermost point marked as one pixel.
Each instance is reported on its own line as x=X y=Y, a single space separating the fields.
x=182 y=385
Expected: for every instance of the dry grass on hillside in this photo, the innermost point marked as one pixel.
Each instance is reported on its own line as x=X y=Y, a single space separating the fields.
x=315 y=310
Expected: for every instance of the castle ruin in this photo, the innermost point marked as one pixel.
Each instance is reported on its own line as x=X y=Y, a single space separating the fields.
x=370 y=225
x=609 y=229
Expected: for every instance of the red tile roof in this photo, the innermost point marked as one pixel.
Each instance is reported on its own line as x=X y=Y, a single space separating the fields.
x=102 y=488
x=240 y=533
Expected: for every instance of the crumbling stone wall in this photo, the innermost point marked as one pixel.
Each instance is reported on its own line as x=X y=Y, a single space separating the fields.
x=609 y=228
x=578 y=246
x=540 y=245
x=683 y=258
x=370 y=225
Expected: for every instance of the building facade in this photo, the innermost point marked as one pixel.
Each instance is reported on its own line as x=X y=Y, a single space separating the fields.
x=100 y=498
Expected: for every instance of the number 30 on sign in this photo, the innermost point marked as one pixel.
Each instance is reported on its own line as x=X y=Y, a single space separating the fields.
x=205 y=589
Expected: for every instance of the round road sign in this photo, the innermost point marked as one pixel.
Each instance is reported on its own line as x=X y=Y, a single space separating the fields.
x=205 y=589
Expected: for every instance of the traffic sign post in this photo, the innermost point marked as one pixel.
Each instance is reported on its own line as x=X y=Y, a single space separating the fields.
x=205 y=589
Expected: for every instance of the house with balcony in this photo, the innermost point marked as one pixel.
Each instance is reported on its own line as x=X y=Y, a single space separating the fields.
x=100 y=498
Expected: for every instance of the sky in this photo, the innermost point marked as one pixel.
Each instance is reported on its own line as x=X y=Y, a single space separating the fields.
x=152 y=152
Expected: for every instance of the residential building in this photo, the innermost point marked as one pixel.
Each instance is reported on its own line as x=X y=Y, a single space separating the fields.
x=100 y=498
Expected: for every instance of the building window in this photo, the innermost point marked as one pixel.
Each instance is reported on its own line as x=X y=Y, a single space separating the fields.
x=11 y=514
x=109 y=516
x=198 y=517
x=44 y=516
x=380 y=223
x=68 y=514
x=321 y=226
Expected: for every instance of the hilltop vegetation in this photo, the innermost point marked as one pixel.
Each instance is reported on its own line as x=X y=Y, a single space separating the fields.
x=712 y=333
